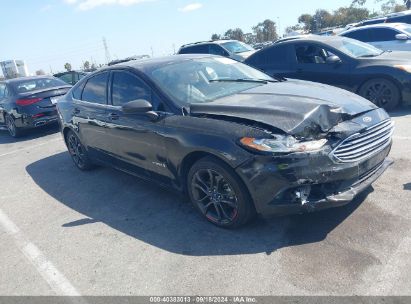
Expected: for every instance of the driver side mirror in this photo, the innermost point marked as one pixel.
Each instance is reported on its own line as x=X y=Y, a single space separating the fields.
x=401 y=37
x=333 y=59
x=140 y=106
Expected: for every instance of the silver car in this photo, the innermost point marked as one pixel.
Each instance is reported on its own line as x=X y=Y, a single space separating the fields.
x=385 y=36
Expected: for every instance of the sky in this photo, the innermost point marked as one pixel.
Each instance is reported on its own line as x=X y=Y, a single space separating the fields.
x=49 y=33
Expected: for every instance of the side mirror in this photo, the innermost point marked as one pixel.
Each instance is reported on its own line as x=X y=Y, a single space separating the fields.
x=333 y=59
x=140 y=106
x=401 y=37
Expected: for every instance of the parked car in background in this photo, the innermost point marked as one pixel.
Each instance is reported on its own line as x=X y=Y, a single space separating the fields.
x=71 y=77
x=385 y=36
x=233 y=49
x=237 y=141
x=29 y=102
x=382 y=77
x=399 y=17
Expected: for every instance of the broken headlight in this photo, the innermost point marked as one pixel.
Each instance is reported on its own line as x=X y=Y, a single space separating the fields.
x=282 y=144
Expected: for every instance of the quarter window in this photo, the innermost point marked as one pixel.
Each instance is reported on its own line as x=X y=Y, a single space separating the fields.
x=127 y=87
x=95 y=89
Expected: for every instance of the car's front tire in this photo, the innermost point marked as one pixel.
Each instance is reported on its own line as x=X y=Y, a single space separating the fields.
x=382 y=92
x=78 y=152
x=219 y=194
x=11 y=127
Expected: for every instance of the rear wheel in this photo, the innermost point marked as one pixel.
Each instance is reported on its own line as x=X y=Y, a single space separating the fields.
x=77 y=152
x=218 y=193
x=11 y=127
x=382 y=92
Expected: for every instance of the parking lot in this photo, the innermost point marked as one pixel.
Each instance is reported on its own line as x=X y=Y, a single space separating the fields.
x=104 y=232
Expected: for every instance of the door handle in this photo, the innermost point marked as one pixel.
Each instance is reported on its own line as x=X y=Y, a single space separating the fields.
x=113 y=116
x=76 y=111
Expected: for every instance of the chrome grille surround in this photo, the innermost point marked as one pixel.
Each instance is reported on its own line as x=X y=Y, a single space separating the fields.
x=365 y=143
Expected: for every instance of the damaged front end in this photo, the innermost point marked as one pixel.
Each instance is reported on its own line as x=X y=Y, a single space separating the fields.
x=353 y=156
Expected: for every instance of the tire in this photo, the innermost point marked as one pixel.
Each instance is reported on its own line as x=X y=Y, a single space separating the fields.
x=77 y=152
x=11 y=127
x=382 y=92
x=219 y=194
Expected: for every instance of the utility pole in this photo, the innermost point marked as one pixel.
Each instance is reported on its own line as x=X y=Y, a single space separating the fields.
x=108 y=58
x=152 y=52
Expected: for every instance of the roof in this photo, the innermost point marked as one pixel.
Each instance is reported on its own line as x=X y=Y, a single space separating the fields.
x=379 y=25
x=208 y=41
x=151 y=63
x=307 y=38
x=19 y=79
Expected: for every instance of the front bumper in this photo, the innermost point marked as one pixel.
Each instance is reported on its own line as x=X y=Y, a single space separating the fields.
x=274 y=182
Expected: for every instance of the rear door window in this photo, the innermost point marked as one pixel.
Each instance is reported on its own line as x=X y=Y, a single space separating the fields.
x=383 y=34
x=195 y=49
x=95 y=90
x=361 y=35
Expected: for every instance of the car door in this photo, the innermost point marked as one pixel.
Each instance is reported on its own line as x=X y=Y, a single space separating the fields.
x=136 y=140
x=310 y=63
x=89 y=115
x=385 y=39
x=274 y=60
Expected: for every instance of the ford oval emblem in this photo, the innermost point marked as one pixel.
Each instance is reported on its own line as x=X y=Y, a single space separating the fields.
x=367 y=119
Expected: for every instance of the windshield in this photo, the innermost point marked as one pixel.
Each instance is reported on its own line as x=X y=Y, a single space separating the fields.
x=355 y=48
x=405 y=28
x=237 y=47
x=37 y=84
x=206 y=79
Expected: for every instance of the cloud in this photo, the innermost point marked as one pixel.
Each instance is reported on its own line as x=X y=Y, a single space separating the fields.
x=85 y=5
x=190 y=7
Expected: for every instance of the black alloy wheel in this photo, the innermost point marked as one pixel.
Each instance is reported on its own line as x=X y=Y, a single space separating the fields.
x=77 y=152
x=382 y=93
x=218 y=194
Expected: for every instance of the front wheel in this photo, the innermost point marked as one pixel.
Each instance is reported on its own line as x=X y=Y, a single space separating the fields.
x=382 y=92
x=218 y=193
x=77 y=152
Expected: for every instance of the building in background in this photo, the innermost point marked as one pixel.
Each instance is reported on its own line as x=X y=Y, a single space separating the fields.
x=14 y=68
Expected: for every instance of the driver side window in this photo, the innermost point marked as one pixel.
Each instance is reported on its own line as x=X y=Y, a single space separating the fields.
x=310 y=53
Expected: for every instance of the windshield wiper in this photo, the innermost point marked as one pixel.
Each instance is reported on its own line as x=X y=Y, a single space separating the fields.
x=255 y=80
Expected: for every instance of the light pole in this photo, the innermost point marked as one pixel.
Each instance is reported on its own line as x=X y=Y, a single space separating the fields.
x=279 y=27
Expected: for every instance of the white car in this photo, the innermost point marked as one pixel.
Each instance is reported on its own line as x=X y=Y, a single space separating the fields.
x=385 y=36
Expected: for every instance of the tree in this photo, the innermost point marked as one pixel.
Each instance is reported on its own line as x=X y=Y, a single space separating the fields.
x=236 y=34
x=67 y=66
x=387 y=6
x=265 y=31
x=215 y=37
x=40 y=72
x=86 y=65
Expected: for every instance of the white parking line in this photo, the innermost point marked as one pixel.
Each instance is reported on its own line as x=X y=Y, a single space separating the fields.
x=54 y=278
x=30 y=147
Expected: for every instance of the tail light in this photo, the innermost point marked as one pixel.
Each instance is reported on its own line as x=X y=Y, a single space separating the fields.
x=28 y=101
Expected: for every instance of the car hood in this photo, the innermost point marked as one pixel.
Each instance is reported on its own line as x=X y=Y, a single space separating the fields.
x=394 y=56
x=296 y=107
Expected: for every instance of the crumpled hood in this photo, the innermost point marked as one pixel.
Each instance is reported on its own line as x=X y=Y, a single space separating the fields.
x=296 y=107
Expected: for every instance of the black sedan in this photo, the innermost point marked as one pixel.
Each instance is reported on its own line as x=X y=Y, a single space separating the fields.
x=382 y=77
x=29 y=102
x=235 y=140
